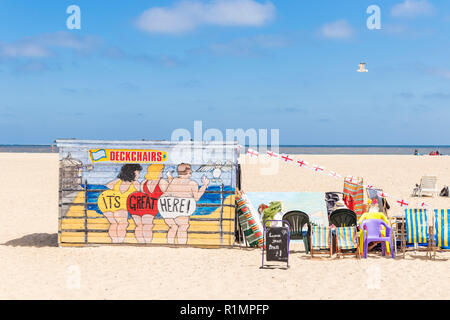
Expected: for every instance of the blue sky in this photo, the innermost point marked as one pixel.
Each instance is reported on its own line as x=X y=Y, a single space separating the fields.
x=141 y=69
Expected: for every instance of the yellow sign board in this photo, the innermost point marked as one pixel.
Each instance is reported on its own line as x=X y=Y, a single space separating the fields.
x=127 y=156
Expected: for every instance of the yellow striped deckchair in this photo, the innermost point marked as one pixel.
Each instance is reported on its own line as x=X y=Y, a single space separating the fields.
x=346 y=239
x=416 y=223
x=442 y=228
x=320 y=240
x=416 y=226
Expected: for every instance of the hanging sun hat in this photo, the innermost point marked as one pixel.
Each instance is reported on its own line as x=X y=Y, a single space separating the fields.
x=340 y=204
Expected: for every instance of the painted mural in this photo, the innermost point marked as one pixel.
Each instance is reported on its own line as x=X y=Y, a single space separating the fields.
x=143 y=196
x=312 y=203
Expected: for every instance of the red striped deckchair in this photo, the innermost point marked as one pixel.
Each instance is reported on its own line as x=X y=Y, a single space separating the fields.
x=354 y=195
x=252 y=232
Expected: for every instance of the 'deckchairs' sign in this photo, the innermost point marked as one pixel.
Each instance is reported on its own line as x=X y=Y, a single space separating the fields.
x=126 y=156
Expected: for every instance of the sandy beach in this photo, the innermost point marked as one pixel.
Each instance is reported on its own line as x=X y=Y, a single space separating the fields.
x=34 y=267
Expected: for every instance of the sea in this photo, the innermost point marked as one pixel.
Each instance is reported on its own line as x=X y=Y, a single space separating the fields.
x=288 y=149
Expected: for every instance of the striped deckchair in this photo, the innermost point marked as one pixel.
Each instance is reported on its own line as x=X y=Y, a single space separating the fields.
x=442 y=228
x=346 y=239
x=354 y=195
x=249 y=225
x=417 y=231
x=320 y=240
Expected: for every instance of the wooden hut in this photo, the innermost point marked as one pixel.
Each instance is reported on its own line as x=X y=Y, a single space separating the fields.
x=147 y=192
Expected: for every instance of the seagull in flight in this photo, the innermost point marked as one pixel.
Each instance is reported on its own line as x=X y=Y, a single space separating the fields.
x=217 y=169
x=362 y=67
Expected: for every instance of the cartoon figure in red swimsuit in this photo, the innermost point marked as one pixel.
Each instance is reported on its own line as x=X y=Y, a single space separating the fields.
x=143 y=206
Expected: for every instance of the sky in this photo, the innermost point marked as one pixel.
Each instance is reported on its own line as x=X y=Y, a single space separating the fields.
x=141 y=69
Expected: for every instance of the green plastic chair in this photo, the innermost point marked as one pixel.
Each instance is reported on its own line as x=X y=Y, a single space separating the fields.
x=297 y=220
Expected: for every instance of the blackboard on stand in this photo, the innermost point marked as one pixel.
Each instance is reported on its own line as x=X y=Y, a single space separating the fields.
x=276 y=242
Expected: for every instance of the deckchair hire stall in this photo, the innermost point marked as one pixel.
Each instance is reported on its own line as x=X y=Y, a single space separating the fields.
x=147 y=192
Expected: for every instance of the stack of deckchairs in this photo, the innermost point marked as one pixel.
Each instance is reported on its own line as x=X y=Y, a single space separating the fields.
x=249 y=224
x=354 y=195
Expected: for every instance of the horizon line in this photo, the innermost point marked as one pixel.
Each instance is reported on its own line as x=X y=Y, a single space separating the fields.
x=289 y=145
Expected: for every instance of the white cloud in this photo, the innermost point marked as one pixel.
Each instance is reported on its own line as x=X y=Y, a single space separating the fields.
x=249 y=46
x=339 y=29
x=407 y=31
x=23 y=49
x=68 y=40
x=41 y=46
x=186 y=16
x=32 y=66
x=161 y=59
x=440 y=72
x=412 y=9
x=437 y=95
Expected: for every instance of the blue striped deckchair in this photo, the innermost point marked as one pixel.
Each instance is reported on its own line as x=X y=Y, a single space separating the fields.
x=416 y=222
x=320 y=240
x=442 y=228
x=346 y=239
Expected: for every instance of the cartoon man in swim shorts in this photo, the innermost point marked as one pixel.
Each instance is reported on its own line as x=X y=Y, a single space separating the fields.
x=178 y=203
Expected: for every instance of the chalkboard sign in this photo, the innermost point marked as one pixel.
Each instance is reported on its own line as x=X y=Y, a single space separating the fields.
x=277 y=242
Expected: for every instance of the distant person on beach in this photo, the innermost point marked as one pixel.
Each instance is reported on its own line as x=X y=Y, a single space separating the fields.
x=416 y=153
x=179 y=201
x=113 y=202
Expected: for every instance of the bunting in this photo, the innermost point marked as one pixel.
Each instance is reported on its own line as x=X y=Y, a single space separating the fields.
x=319 y=169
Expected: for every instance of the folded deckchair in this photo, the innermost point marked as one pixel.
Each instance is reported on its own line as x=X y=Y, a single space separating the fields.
x=354 y=195
x=347 y=239
x=417 y=231
x=442 y=228
x=248 y=221
x=427 y=186
x=397 y=232
x=320 y=240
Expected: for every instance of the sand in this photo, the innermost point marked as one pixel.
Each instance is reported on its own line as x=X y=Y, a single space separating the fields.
x=33 y=267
